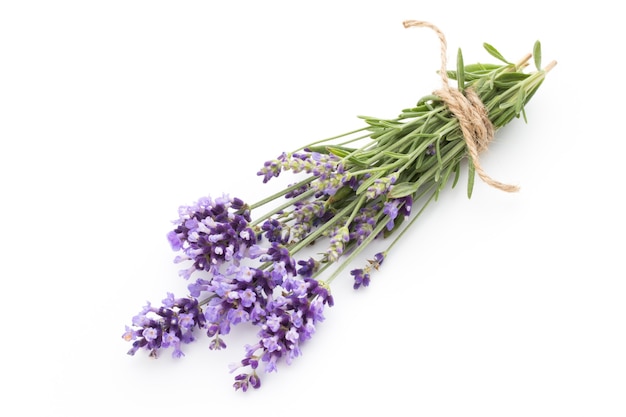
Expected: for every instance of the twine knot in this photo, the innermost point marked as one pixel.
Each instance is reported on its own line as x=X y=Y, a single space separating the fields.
x=477 y=129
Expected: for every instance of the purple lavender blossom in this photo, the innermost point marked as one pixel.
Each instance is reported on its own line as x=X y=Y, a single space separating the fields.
x=391 y=210
x=280 y=297
x=272 y=168
x=308 y=212
x=363 y=224
x=211 y=233
x=236 y=300
x=241 y=293
x=308 y=267
x=405 y=205
x=381 y=186
x=199 y=286
x=361 y=278
x=331 y=178
x=328 y=169
x=280 y=254
x=167 y=326
x=274 y=231
x=245 y=271
x=362 y=275
x=378 y=260
x=291 y=320
x=298 y=191
x=338 y=240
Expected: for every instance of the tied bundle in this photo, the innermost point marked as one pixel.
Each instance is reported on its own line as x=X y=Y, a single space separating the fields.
x=351 y=189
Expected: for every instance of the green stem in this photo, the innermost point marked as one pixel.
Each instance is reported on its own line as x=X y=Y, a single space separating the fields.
x=332 y=138
x=381 y=224
x=280 y=208
x=320 y=230
x=281 y=193
x=355 y=211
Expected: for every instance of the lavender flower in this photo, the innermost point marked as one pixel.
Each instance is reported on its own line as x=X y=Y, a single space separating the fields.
x=156 y=328
x=272 y=168
x=291 y=321
x=237 y=297
x=362 y=275
x=360 y=278
x=391 y=210
x=381 y=186
x=364 y=223
x=211 y=233
x=338 y=239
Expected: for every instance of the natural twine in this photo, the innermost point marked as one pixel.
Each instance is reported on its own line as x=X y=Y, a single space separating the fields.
x=477 y=129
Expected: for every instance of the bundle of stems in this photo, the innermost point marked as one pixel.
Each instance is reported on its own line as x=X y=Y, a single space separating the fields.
x=350 y=189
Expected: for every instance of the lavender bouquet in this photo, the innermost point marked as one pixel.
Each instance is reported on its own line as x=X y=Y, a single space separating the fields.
x=274 y=270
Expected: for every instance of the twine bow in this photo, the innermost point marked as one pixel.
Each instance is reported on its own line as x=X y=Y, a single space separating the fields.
x=477 y=129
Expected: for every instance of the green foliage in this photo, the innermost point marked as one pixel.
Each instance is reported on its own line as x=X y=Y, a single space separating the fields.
x=420 y=152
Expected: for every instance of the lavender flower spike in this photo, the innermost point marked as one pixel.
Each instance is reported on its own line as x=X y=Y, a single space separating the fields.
x=362 y=275
x=290 y=321
x=166 y=326
x=211 y=233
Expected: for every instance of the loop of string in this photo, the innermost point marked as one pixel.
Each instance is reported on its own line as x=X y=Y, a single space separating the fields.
x=477 y=129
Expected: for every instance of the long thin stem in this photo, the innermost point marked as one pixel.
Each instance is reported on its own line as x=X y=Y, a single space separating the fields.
x=380 y=226
x=330 y=139
x=319 y=231
x=281 y=193
x=282 y=207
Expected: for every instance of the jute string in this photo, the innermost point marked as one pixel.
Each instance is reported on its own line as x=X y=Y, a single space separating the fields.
x=477 y=129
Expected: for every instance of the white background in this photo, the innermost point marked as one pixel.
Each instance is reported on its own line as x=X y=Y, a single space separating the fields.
x=114 y=113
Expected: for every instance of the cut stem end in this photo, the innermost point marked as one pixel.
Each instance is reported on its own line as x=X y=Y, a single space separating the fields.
x=550 y=66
